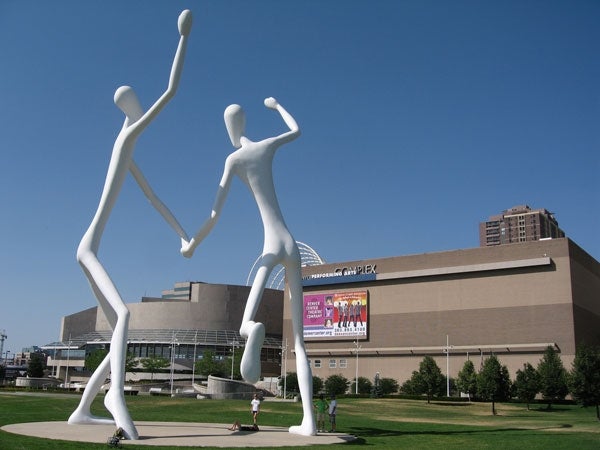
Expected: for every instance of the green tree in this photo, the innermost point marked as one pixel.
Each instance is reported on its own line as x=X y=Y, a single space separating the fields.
x=493 y=382
x=430 y=381
x=365 y=386
x=388 y=386
x=210 y=365
x=317 y=384
x=467 y=379
x=290 y=383
x=553 y=377
x=36 y=365
x=153 y=364
x=585 y=377
x=94 y=358
x=293 y=387
x=336 y=384
x=527 y=384
x=131 y=363
x=412 y=386
x=237 y=359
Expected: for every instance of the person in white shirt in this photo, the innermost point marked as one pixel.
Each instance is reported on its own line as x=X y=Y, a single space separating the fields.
x=332 y=413
x=255 y=403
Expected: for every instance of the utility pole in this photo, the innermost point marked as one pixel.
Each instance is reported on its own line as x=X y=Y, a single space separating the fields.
x=3 y=337
x=284 y=349
x=447 y=349
x=357 y=343
x=233 y=345
x=194 y=359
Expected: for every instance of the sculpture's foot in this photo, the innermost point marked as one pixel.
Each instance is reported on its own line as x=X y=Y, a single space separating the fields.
x=250 y=364
x=307 y=428
x=115 y=403
x=80 y=416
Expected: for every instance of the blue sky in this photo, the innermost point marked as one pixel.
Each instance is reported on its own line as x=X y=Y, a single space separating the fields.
x=419 y=119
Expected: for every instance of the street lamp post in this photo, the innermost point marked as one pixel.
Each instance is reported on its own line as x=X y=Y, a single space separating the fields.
x=357 y=349
x=233 y=345
x=194 y=359
x=173 y=343
x=447 y=351
x=284 y=367
x=68 y=359
x=54 y=362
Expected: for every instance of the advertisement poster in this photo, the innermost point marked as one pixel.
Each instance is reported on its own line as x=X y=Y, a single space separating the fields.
x=335 y=315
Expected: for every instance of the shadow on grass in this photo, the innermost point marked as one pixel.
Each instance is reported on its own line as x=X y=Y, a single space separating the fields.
x=364 y=433
x=553 y=409
x=453 y=404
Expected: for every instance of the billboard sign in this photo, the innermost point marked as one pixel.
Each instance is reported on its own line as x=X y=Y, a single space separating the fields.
x=335 y=315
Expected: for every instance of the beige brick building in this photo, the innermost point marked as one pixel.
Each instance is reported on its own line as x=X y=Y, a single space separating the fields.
x=510 y=300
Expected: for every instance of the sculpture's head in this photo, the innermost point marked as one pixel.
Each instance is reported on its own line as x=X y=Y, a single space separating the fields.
x=235 y=122
x=128 y=102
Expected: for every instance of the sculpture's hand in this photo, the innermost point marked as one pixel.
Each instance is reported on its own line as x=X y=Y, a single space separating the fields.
x=187 y=249
x=271 y=103
x=184 y=23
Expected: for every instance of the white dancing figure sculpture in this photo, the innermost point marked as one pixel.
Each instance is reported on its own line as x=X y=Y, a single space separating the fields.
x=106 y=293
x=252 y=162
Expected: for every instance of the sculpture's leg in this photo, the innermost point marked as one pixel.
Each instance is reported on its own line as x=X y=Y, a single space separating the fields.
x=114 y=307
x=307 y=427
x=254 y=332
x=114 y=400
x=82 y=414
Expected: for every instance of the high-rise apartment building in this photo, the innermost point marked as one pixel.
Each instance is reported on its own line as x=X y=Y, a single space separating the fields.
x=519 y=224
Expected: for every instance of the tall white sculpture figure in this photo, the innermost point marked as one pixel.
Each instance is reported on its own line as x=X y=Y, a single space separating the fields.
x=252 y=162
x=106 y=293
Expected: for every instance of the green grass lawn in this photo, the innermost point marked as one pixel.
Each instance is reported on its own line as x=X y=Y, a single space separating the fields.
x=379 y=423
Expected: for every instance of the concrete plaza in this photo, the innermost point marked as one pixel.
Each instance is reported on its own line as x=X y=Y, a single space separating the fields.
x=180 y=434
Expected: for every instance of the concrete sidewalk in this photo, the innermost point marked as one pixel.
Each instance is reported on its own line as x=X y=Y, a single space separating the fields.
x=181 y=434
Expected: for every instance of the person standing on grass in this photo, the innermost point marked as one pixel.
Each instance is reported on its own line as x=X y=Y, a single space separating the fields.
x=332 y=413
x=255 y=403
x=321 y=406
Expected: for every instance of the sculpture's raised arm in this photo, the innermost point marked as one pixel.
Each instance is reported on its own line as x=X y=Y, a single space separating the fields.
x=184 y=24
x=294 y=132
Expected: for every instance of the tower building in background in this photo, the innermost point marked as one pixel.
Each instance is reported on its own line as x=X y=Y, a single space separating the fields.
x=519 y=224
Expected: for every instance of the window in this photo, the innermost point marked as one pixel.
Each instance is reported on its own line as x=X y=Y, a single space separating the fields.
x=343 y=363
x=332 y=364
x=317 y=363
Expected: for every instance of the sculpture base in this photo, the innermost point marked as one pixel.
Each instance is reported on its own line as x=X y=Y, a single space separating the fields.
x=179 y=434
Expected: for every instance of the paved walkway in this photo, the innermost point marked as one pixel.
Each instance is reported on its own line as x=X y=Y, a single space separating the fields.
x=182 y=434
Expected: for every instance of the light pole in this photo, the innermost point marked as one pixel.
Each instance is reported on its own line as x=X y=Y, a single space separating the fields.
x=173 y=342
x=357 y=349
x=68 y=359
x=233 y=345
x=284 y=367
x=447 y=351
x=54 y=362
x=194 y=359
